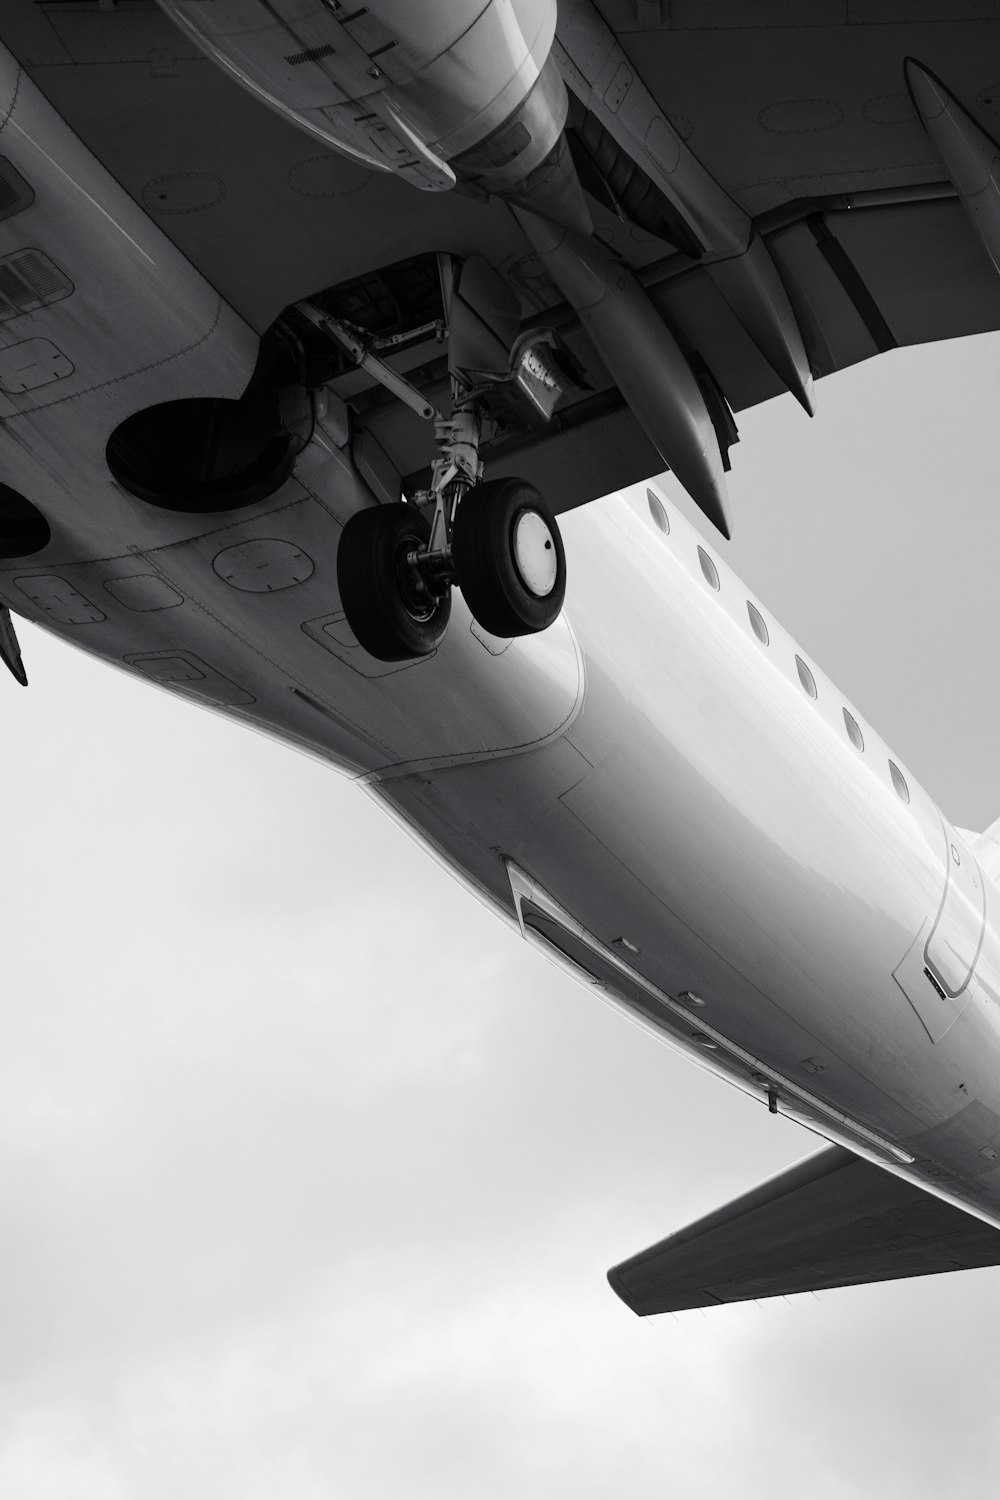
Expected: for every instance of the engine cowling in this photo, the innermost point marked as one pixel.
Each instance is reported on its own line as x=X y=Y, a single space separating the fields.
x=435 y=93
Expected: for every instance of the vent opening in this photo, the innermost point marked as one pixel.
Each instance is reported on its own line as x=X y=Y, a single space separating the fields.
x=310 y=54
x=934 y=982
x=28 y=281
x=15 y=193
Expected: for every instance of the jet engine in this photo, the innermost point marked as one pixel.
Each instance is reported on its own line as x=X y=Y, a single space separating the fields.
x=437 y=94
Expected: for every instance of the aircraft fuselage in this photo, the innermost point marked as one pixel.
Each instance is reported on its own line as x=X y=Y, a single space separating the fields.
x=647 y=787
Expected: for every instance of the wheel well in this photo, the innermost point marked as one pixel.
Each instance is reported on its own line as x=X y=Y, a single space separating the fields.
x=23 y=528
x=209 y=453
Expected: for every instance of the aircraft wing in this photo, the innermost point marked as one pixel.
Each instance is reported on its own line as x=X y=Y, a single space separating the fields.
x=831 y=1220
x=798 y=115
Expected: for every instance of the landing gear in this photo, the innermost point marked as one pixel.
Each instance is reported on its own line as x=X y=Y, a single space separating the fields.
x=395 y=612
x=497 y=541
x=508 y=557
x=505 y=554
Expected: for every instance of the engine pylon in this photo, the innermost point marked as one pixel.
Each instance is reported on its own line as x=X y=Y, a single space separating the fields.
x=736 y=259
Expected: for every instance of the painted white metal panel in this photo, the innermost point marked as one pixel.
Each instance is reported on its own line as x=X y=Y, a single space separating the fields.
x=957 y=936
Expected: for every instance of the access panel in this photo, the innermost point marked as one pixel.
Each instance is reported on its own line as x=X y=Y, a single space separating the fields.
x=957 y=935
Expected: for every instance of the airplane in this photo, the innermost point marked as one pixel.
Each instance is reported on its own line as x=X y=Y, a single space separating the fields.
x=325 y=325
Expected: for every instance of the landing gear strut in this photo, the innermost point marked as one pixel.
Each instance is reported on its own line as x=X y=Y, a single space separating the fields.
x=497 y=540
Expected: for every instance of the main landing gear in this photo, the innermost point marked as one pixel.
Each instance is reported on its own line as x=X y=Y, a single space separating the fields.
x=497 y=540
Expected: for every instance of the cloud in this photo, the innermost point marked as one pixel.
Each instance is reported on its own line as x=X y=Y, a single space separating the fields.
x=310 y=1171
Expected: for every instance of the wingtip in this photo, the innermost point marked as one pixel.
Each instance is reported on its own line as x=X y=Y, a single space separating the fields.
x=617 y=1285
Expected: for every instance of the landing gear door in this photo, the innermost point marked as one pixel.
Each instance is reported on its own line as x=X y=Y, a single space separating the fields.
x=957 y=935
x=484 y=320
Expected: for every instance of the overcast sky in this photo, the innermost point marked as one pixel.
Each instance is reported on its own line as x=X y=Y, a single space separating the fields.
x=292 y=1207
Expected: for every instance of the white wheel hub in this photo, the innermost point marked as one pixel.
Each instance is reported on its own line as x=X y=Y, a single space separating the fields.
x=535 y=555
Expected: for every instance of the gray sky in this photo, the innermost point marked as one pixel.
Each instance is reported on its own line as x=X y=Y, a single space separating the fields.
x=290 y=1211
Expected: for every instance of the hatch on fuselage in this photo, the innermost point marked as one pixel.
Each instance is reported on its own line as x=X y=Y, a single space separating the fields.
x=936 y=976
x=957 y=935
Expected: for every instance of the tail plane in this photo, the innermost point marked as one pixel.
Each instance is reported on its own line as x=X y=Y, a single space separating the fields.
x=831 y=1220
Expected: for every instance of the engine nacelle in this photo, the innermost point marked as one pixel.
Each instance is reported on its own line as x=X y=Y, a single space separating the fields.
x=434 y=92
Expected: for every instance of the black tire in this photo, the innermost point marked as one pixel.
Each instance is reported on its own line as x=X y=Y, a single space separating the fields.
x=386 y=613
x=500 y=593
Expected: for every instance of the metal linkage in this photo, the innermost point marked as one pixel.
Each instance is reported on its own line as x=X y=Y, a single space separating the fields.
x=361 y=350
x=457 y=468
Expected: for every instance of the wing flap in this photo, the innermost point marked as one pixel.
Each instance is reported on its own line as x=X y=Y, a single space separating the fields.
x=831 y=1220
x=864 y=275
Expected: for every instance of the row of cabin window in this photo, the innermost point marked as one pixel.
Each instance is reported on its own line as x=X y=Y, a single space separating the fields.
x=806 y=678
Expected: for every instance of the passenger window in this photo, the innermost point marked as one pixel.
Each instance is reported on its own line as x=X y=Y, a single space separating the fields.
x=854 y=734
x=806 y=678
x=757 y=624
x=899 y=782
x=657 y=512
x=709 y=569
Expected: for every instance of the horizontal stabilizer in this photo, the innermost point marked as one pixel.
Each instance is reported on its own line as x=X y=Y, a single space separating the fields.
x=831 y=1220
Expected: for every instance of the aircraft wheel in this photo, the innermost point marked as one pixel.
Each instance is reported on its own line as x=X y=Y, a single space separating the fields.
x=386 y=603
x=509 y=558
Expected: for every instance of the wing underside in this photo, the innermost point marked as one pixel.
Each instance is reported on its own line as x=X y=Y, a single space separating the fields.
x=865 y=275
x=832 y=1220
x=796 y=118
